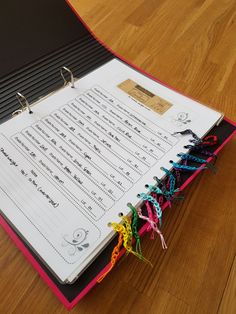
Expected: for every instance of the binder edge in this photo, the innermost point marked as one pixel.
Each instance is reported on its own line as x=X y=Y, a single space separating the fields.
x=69 y=305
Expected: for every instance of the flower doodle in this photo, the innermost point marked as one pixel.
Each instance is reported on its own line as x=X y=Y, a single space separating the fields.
x=181 y=119
x=76 y=242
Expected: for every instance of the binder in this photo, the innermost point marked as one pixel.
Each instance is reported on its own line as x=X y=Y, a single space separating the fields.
x=36 y=75
x=33 y=52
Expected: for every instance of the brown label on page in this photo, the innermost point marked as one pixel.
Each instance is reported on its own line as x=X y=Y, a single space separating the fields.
x=144 y=96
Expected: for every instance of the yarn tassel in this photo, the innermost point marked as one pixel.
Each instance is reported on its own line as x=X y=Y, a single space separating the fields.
x=172 y=183
x=195 y=139
x=200 y=149
x=152 y=223
x=197 y=159
x=128 y=235
x=147 y=197
x=210 y=140
x=114 y=257
x=135 y=229
x=185 y=167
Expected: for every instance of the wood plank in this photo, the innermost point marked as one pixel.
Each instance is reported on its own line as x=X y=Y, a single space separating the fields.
x=228 y=304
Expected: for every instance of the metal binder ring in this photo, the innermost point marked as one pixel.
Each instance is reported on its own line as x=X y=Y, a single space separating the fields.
x=72 y=79
x=23 y=102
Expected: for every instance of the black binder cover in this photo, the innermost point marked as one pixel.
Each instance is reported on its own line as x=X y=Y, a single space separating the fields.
x=37 y=39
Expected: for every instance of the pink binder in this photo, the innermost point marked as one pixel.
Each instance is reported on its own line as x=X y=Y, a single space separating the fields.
x=70 y=295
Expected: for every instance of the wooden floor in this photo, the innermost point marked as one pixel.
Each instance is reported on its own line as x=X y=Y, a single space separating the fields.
x=191 y=45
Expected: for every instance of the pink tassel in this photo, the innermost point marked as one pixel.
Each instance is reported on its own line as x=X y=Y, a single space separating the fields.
x=152 y=219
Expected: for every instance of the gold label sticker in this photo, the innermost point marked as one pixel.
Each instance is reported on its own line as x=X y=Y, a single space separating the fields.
x=144 y=96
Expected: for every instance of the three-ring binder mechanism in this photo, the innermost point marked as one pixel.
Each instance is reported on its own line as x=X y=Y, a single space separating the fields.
x=158 y=196
x=24 y=103
x=72 y=79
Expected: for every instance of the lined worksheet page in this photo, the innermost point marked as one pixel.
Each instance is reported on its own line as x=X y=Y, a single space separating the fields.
x=72 y=166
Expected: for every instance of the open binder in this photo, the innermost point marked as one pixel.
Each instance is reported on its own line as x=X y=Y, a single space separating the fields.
x=34 y=75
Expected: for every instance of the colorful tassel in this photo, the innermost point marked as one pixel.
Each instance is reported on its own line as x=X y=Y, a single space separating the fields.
x=135 y=228
x=172 y=181
x=169 y=189
x=153 y=219
x=196 y=159
x=114 y=256
x=163 y=188
x=200 y=149
x=128 y=236
x=195 y=140
x=147 y=197
x=185 y=167
x=153 y=188
x=210 y=140
x=152 y=224
x=178 y=176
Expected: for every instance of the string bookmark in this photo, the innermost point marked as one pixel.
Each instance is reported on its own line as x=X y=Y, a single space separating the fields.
x=114 y=257
x=171 y=184
x=125 y=238
x=153 y=188
x=128 y=237
x=152 y=220
x=186 y=167
x=149 y=198
x=164 y=190
x=122 y=240
x=210 y=140
x=135 y=228
x=157 y=193
x=178 y=177
x=201 y=150
x=195 y=140
x=197 y=159
x=168 y=190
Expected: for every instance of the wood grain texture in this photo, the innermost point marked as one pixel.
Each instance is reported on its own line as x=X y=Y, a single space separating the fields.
x=191 y=45
x=228 y=304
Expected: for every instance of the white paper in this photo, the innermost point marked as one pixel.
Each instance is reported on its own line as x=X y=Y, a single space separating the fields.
x=73 y=165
